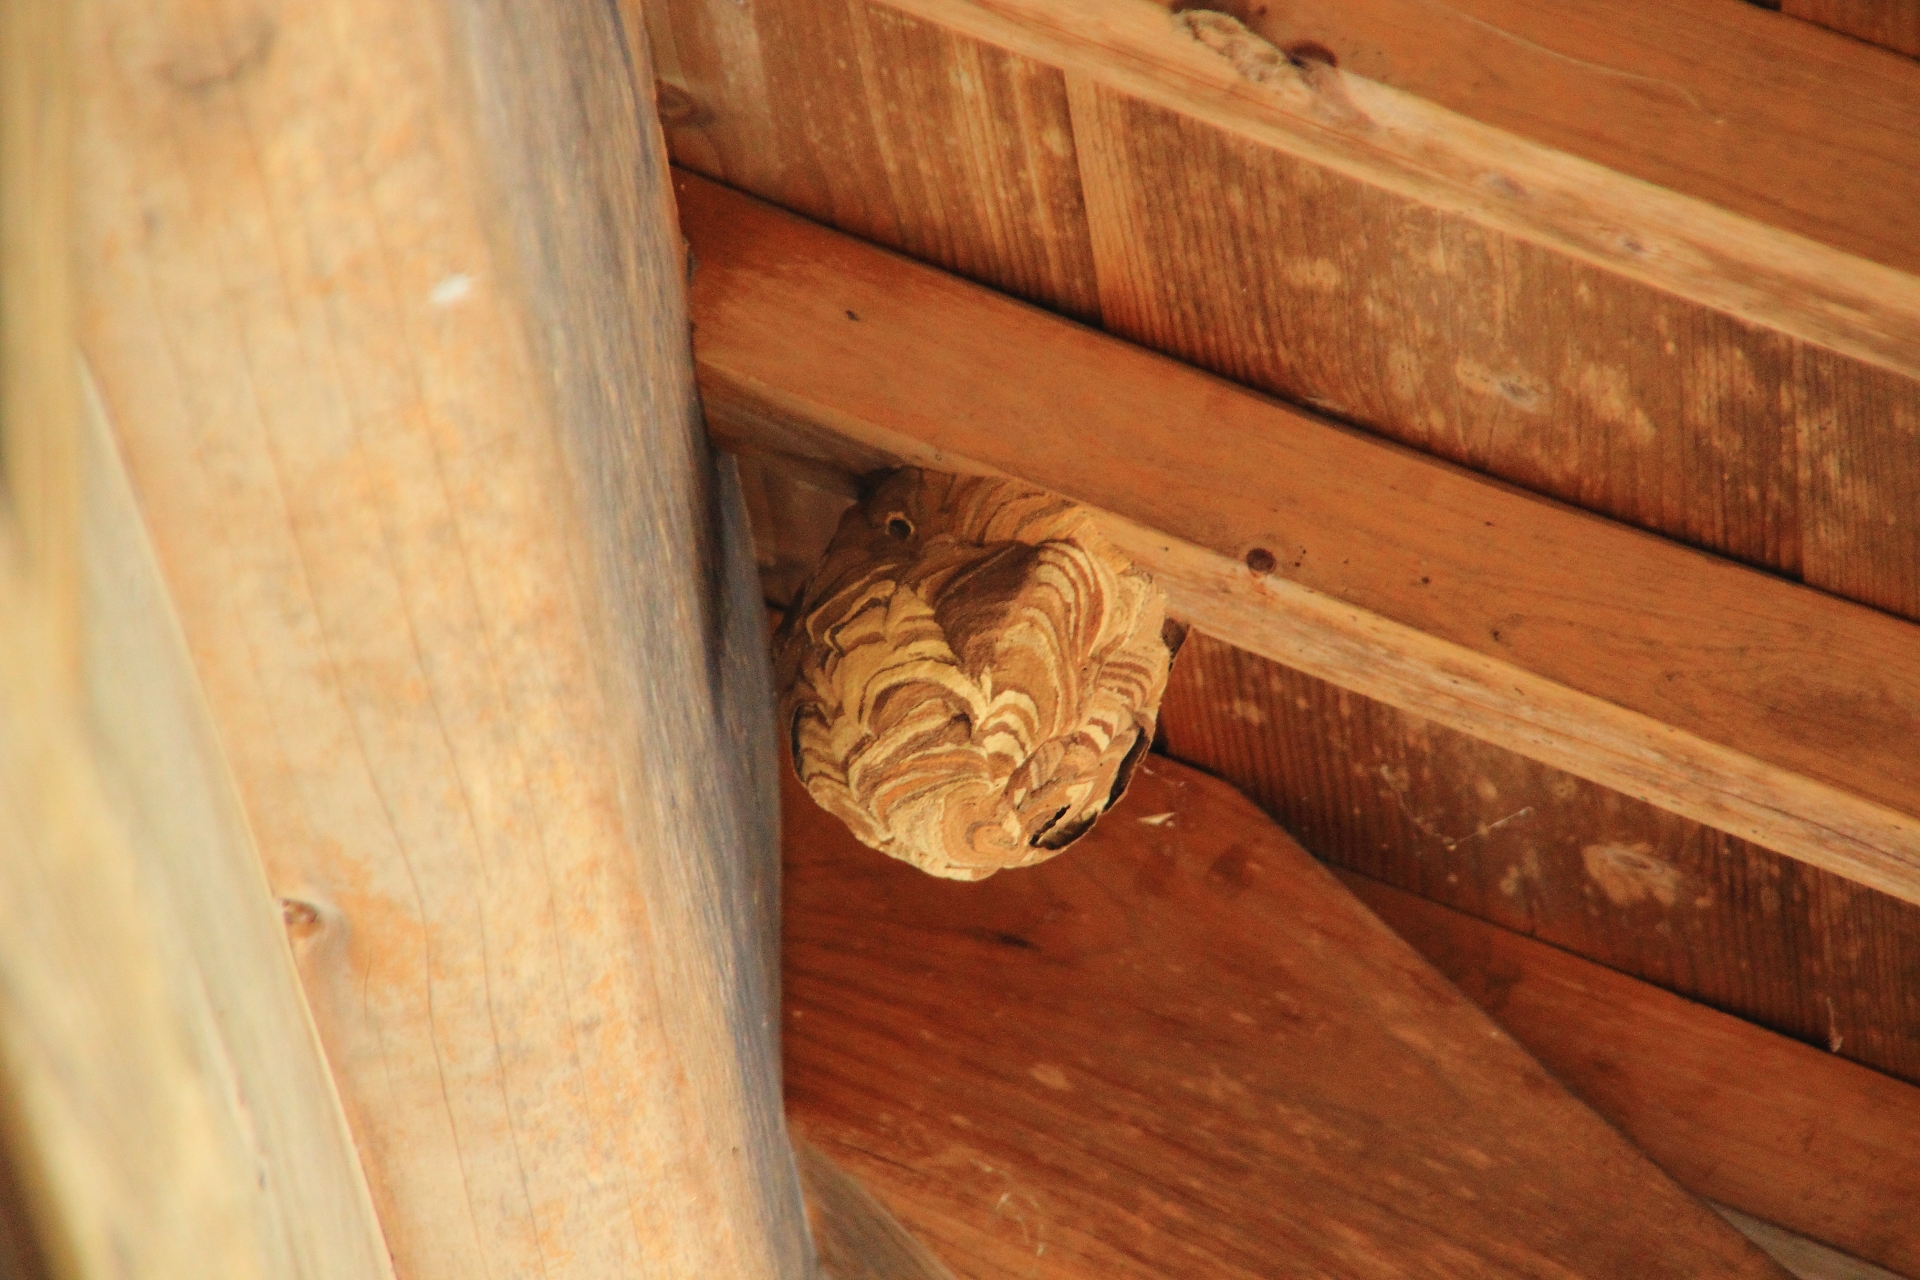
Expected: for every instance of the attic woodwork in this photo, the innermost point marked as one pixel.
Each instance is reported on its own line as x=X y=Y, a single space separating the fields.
x=414 y=435
x=1730 y=696
x=1796 y=128
x=1390 y=795
x=387 y=757
x=1789 y=1133
x=1184 y=1050
x=1577 y=331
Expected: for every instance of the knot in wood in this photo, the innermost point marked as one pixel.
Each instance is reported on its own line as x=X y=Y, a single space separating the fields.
x=971 y=673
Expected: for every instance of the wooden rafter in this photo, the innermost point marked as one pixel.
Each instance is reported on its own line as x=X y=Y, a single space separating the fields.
x=1677 y=363
x=1724 y=694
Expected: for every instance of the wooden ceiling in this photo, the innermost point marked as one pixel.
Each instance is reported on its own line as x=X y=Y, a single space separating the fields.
x=1599 y=271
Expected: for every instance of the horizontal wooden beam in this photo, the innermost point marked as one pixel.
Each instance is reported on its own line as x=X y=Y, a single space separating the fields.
x=1119 y=59
x=1730 y=696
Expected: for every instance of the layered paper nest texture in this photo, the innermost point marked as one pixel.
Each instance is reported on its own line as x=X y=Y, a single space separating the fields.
x=971 y=673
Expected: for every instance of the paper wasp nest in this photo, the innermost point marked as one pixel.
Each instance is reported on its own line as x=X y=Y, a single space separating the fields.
x=971 y=673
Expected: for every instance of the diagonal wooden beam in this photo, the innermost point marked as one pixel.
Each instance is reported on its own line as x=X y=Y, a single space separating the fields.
x=1735 y=698
x=1723 y=1106
x=1182 y=1051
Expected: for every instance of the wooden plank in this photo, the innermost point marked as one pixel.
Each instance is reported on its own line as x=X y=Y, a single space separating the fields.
x=1181 y=1049
x=168 y=1101
x=39 y=403
x=411 y=422
x=130 y=1137
x=1726 y=695
x=1462 y=822
x=1892 y=24
x=1800 y=129
x=1777 y=1129
x=1579 y=332
x=1360 y=131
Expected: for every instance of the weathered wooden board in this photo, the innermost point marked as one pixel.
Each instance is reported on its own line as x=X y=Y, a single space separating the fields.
x=386 y=306
x=1724 y=694
x=1798 y=128
x=1784 y=1132
x=1577 y=331
x=1396 y=797
x=1894 y=24
x=39 y=402
x=1182 y=1049
x=167 y=1109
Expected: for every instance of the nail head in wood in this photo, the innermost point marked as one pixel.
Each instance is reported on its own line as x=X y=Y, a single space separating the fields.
x=971 y=673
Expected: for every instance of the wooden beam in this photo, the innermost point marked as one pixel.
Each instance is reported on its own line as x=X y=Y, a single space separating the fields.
x=1122 y=58
x=1650 y=355
x=171 y=1105
x=1460 y=821
x=1778 y=1129
x=386 y=306
x=1726 y=695
x=1181 y=1049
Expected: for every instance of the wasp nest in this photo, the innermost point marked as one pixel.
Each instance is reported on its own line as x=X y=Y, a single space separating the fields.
x=971 y=673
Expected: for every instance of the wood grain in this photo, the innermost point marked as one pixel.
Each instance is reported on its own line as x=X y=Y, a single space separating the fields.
x=1784 y=1132
x=1797 y=128
x=39 y=400
x=131 y=1132
x=857 y=1238
x=1572 y=329
x=1804 y=1258
x=1889 y=23
x=1002 y=206
x=167 y=1102
x=970 y=674
x=1183 y=1050
x=1398 y=798
x=1726 y=695
x=386 y=306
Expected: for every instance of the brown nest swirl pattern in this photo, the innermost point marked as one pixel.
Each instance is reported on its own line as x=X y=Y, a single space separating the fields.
x=971 y=673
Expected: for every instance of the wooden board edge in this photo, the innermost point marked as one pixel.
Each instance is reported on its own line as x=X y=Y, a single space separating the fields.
x=1789 y=1135
x=1403 y=144
x=857 y=1237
